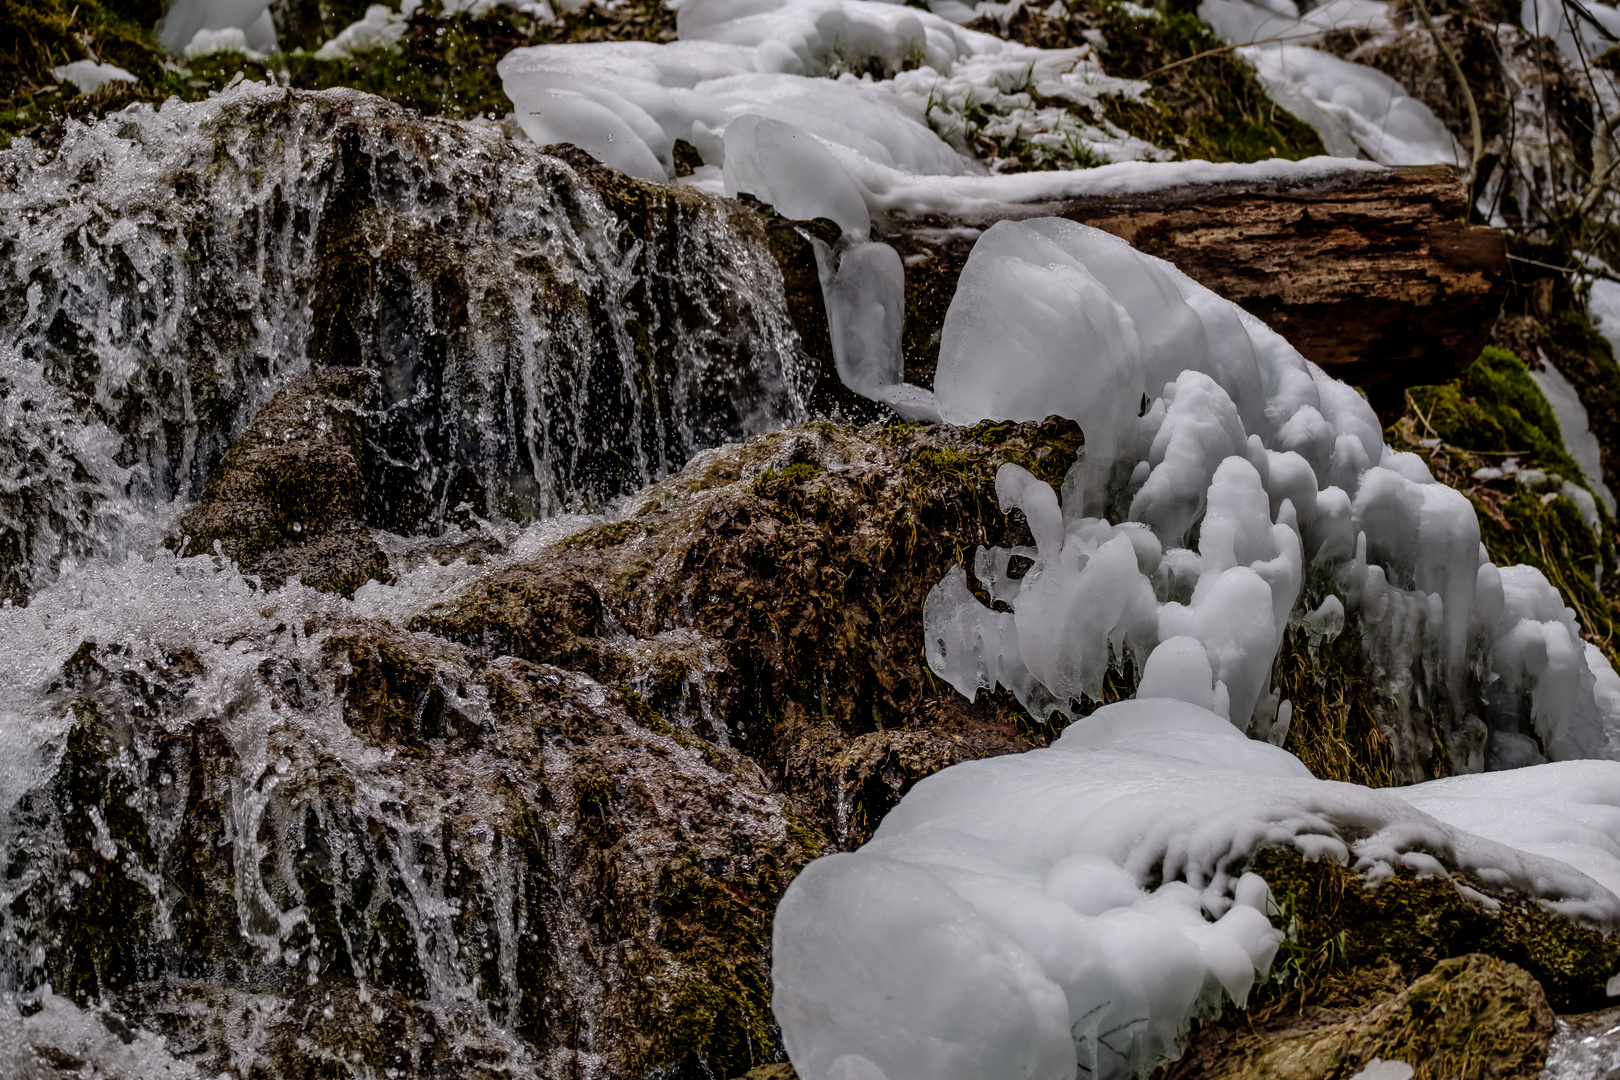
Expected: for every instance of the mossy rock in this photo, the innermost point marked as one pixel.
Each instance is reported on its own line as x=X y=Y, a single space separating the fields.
x=286 y=500
x=1469 y=1018
x=1337 y=924
x=794 y=568
x=1409 y=969
x=444 y=65
x=1493 y=412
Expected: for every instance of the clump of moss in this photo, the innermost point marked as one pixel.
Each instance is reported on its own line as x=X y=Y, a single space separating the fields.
x=1492 y=413
x=444 y=66
x=1334 y=728
x=706 y=998
x=1337 y=925
x=39 y=35
x=1205 y=103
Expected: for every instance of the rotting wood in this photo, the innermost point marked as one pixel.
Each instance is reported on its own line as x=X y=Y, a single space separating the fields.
x=1375 y=275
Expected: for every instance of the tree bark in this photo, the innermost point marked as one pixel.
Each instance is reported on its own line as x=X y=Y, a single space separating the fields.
x=1376 y=276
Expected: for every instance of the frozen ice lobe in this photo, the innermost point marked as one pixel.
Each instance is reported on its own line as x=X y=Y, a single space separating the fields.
x=186 y=19
x=1228 y=489
x=1000 y=924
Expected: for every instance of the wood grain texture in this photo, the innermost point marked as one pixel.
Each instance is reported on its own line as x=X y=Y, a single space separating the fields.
x=1373 y=275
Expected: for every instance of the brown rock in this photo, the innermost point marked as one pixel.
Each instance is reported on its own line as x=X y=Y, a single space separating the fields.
x=285 y=502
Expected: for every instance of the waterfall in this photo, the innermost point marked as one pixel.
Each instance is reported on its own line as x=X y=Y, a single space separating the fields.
x=540 y=345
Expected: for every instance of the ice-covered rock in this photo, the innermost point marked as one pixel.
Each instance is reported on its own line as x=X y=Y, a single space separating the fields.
x=1080 y=903
x=1357 y=110
x=1222 y=471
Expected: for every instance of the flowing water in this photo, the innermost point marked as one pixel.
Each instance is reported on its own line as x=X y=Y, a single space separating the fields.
x=200 y=830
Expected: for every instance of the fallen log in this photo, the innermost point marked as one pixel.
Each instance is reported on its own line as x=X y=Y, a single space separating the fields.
x=1372 y=273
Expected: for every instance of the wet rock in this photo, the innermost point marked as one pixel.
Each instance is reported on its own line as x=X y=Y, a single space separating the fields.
x=285 y=503
x=769 y=597
x=538 y=344
x=1469 y=1018
x=487 y=868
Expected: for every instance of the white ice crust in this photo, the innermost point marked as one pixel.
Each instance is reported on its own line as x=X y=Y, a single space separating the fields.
x=1357 y=110
x=1575 y=427
x=90 y=76
x=998 y=925
x=834 y=135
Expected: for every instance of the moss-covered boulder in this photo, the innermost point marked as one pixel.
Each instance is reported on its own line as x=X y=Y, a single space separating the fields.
x=770 y=596
x=285 y=502
x=1492 y=435
x=1469 y=1018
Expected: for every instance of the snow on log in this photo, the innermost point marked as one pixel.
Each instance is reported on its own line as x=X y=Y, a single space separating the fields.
x=1370 y=272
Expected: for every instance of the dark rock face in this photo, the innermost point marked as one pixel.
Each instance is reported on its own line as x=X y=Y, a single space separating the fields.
x=285 y=502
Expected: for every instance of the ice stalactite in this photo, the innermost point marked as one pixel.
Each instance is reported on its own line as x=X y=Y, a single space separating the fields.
x=863 y=285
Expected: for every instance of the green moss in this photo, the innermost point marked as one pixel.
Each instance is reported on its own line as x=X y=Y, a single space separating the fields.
x=773 y=482
x=944 y=462
x=1337 y=925
x=38 y=35
x=1494 y=412
x=1494 y=408
x=607 y=534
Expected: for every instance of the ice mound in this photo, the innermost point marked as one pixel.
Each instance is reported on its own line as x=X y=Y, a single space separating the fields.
x=998 y=923
x=1228 y=488
x=187 y=20
x=1357 y=110
x=831 y=138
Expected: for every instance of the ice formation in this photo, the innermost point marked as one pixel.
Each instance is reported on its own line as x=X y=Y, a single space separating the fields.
x=1575 y=427
x=89 y=76
x=200 y=22
x=628 y=102
x=1001 y=921
x=1228 y=487
x=1228 y=490
x=1357 y=110
x=1583 y=30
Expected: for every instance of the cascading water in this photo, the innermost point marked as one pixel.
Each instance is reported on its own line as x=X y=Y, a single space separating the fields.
x=169 y=270
x=201 y=825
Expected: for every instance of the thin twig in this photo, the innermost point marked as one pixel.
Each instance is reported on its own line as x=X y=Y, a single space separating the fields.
x=1585 y=271
x=1476 y=134
x=1228 y=48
